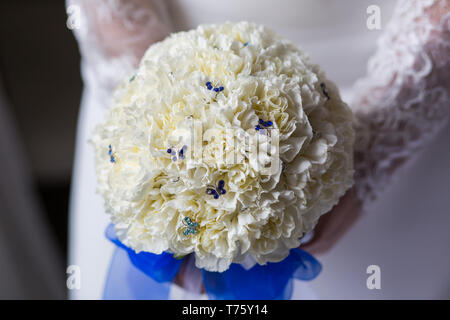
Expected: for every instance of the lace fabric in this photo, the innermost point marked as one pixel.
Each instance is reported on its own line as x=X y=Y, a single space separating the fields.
x=403 y=102
x=112 y=36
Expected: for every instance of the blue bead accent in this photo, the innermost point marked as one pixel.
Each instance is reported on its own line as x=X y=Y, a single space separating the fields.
x=191 y=226
x=216 y=191
x=324 y=90
x=181 y=153
x=264 y=124
x=112 y=158
x=246 y=44
x=216 y=89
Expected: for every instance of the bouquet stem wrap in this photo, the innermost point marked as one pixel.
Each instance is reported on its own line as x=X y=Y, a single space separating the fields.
x=145 y=275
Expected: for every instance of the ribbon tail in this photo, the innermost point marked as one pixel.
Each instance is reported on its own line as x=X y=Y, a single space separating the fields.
x=138 y=276
x=273 y=281
x=308 y=266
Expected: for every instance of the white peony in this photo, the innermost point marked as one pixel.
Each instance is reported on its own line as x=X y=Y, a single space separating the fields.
x=205 y=91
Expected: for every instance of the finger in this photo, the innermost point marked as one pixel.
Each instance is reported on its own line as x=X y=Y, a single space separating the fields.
x=333 y=226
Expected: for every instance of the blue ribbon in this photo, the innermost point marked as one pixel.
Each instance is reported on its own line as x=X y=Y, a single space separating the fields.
x=145 y=275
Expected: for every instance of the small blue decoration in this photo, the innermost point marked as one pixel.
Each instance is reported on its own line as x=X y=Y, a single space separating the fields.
x=216 y=191
x=263 y=124
x=246 y=44
x=324 y=90
x=215 y=89
x=112 y=158
x=181 y=153
x=191 y=226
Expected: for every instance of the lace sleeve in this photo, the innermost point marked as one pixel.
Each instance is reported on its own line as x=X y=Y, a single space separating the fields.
x=112 y=36
x=404 y=100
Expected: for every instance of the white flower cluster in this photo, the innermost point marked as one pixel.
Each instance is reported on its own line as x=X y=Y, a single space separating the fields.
x=156 y=151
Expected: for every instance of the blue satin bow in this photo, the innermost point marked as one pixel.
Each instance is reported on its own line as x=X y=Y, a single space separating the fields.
x=146 y=275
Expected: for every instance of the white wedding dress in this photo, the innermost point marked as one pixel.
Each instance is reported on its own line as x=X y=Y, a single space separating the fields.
x=402 y=107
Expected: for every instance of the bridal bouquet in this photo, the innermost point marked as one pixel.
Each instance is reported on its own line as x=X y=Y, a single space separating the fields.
x=227 y=143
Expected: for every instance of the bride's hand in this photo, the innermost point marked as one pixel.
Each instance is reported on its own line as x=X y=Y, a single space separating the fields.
x=333 y=225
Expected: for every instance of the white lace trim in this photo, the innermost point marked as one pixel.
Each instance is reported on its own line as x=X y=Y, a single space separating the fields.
x=404 y=100
x=112 y=37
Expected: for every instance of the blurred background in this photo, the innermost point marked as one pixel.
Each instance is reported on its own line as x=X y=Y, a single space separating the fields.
x=40 y=89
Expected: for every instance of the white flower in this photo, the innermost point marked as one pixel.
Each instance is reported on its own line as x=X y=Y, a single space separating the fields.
x=169 y=100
